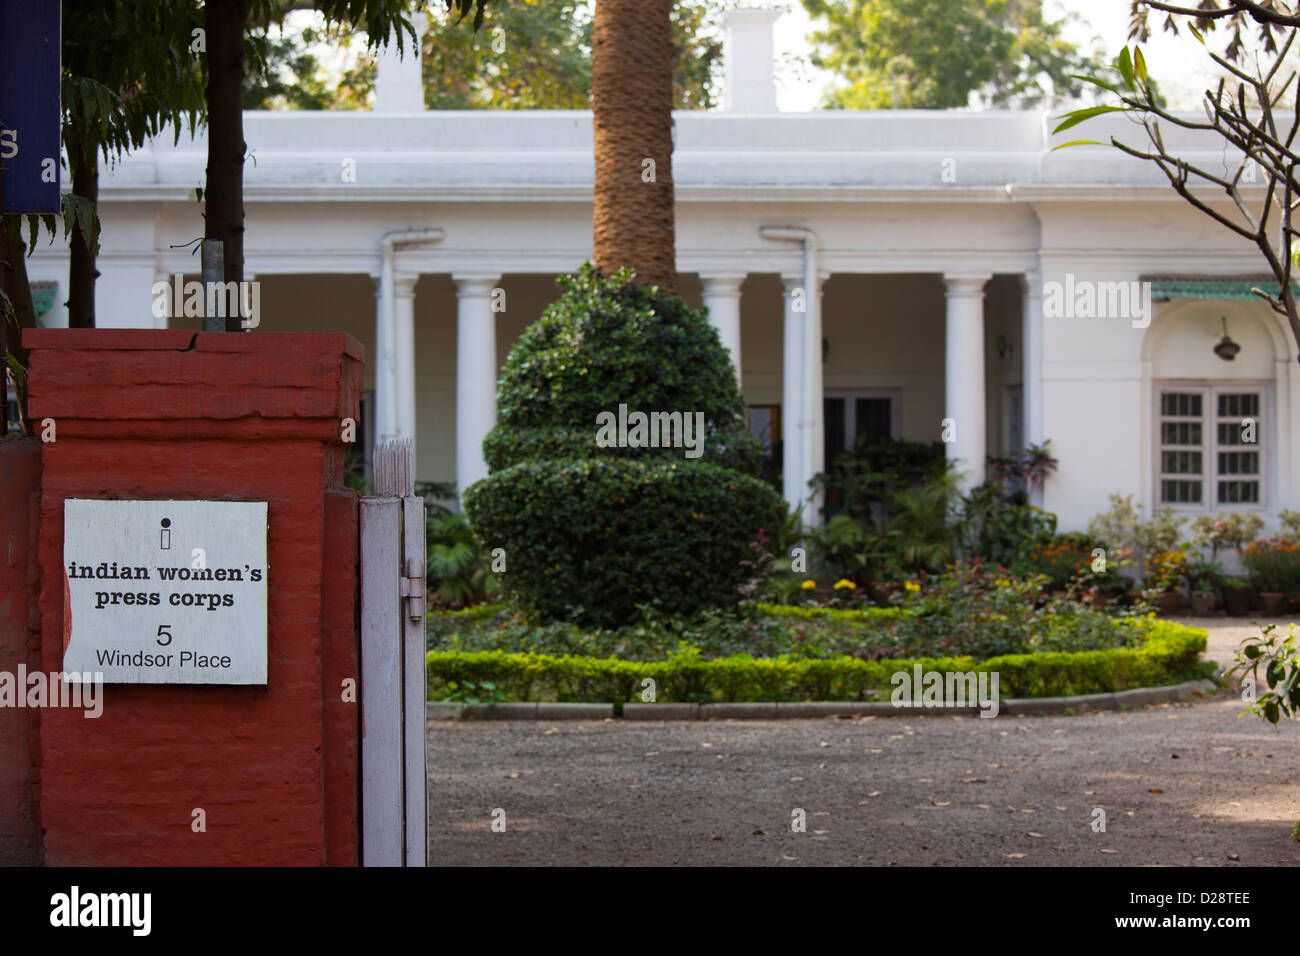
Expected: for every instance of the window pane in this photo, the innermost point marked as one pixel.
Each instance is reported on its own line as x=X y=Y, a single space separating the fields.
x=1180 y=492
x=1180 y=462
x=1238 y=404
x=874 y=421
x=1239 y=463
x=1238 y=492
x=1180 y=433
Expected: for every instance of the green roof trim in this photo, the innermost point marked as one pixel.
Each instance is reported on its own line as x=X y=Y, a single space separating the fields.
x=1204 y=287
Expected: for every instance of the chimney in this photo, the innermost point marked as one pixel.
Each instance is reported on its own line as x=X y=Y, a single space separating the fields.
x=748 y=67
x=399 y=81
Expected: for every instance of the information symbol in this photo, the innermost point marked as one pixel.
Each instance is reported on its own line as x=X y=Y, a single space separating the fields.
x=165 y=537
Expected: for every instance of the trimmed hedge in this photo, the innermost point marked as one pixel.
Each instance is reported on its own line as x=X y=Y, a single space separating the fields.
x=591 y=540
x=596 y=535
x=1170 y=654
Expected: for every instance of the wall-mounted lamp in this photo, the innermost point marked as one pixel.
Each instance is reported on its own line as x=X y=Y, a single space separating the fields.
x=1226 y=349
x=1004 y=347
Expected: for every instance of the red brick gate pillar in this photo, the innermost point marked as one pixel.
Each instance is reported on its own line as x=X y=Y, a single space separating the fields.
x=217 y=417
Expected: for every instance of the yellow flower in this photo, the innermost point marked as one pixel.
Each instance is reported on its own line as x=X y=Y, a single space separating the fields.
x=844 y=583
x=912 y=586
x=808 y=585
x=1002 y=583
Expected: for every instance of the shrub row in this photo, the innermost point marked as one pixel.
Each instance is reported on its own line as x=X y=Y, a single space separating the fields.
x=1169 y=654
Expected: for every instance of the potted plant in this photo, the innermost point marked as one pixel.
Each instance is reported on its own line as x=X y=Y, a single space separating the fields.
x=1164 y=571
x=1274 y=564
x=1238 y=596
x=1202 y=597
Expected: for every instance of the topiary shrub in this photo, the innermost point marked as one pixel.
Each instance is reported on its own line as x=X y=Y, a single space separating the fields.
x=593 y=534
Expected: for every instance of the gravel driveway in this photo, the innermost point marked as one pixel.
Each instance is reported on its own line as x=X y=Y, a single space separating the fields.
x=1180 y=784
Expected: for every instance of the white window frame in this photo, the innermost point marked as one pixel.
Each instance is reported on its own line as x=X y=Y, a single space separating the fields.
x=1209 y=390
x=895 y=396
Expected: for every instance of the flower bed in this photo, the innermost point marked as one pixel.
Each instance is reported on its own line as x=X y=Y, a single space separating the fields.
x=777 y=652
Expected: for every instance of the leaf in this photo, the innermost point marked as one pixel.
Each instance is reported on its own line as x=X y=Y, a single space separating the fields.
x=1095 y=82
x=1139 y=64
x=1076 y=117
x=1125 y=64
x=1078 y=142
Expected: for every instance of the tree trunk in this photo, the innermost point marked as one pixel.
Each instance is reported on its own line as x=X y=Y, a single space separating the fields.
x=632 y=102
x=224 y=192
x=13 y=279
x=81 y=261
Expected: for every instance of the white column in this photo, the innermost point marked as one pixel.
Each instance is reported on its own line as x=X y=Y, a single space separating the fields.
x=792 y=391
x=1031 y=335
x=399 y=81
x=722 y=299
x=385 y=386
x=404 y=353
x=964 y=398
x=476 y=375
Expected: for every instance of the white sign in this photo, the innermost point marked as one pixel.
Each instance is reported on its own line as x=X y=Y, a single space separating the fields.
x=166 y=592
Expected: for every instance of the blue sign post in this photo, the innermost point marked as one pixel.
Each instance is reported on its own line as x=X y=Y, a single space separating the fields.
x=30 y=114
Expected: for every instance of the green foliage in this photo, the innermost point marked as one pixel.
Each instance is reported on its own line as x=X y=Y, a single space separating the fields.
x=1168 y=654
x=536 y=54
x=1000 y=528
x=1274 y=563
x=599 y=538
x=291 y=77
x=506 y=446
x=934 y=54
x=471 y=692
x=1062 y=560
x=599 y=541
x=966 y=613
x=1279 y=656
x=523 y=54
x=606 y=341
x=1234 y=530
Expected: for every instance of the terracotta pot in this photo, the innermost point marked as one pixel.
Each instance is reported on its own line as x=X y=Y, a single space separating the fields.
x=1202 y=606
x=1274 y=603
x=1170 y=602
x=1238 y=600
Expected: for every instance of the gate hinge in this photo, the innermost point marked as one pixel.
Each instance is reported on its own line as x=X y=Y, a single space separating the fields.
x=412 y=588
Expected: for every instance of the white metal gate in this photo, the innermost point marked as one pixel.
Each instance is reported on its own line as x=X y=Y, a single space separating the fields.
x=393 y=821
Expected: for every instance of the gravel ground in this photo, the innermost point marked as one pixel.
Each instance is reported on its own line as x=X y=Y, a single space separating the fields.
x=1180 y=784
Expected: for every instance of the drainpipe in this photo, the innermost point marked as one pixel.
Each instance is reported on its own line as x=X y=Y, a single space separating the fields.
x=812 y=450
x=394 y=373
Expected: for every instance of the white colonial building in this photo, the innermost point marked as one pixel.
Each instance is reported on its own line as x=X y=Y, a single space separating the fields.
x=887 y=273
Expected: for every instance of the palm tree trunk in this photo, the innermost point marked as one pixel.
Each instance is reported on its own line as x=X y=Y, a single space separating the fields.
x=81 y=259
x=224 y=191
x=632 y=102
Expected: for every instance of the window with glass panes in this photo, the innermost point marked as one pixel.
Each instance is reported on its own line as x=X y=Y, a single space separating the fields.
x=1210 y=445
